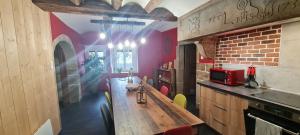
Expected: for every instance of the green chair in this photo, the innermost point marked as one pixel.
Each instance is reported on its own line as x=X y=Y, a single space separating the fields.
x=180 y=100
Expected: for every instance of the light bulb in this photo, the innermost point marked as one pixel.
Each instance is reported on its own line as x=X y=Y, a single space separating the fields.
x=120 y=46
x=143 y=40
x=110 y=45
x=133 y=45
x=127 y=43
x=102 y=35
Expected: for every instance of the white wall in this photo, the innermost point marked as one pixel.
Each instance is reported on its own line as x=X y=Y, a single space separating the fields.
x=285 y=77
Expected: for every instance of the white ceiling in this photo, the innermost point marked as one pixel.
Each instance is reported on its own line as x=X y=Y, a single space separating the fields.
x=81 y=23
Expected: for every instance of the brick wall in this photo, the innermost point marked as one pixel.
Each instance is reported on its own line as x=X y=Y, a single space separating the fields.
x=256 y=47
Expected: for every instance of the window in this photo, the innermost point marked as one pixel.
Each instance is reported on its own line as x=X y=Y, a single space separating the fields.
x=95 y=59
x=124 y=60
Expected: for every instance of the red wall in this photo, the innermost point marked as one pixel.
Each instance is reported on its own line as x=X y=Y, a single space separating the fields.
x=169 y=43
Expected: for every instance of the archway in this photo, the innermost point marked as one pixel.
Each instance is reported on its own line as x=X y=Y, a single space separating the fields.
x=67 y=74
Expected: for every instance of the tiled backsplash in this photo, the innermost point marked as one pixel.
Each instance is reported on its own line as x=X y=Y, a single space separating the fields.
x=256 y=47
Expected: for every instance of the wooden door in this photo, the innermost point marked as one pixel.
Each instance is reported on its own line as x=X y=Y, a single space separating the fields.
x=189 y=87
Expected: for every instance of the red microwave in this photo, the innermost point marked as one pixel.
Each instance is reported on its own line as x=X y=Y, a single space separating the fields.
x=230 y=77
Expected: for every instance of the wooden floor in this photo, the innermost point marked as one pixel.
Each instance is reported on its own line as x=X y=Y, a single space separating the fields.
x=84 y=118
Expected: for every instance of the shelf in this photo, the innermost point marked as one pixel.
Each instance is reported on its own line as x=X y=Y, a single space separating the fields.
x=165 y=80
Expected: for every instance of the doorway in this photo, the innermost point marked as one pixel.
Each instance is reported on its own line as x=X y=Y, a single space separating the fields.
x=67 y=74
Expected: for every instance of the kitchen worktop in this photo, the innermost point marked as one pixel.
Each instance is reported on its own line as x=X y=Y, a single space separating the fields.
x=289 y=101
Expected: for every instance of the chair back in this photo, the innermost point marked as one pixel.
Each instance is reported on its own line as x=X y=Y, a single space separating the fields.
x=184 y=130
x=145 y=78
x=180 y=100
x=164 y=90
x=109 y=102
x=108 y=121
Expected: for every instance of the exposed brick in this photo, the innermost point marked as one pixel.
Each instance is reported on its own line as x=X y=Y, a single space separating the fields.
x=237 y=41
x=224 y=39
x=261 y=38
x=273 y=45
x=252 y=59
x=265 y=59
x=274 y=36
x=241 y=51
x=236 y=48
x=258 y=63
x=232 y=52
x=227 y=48
x=264 y=29
x=267 y=41
x=259 y=46
x=236 y=55
x=271 y=64
x=241 y=59
x=259 y=55
x=254 y=43
x=246 y=55
x=254 y=34
x=253 y=51
x=245 y=62
x=233 y=37
x=243 y=36
x=269 y=50
x=242 y=44
x=232 y=45
x=276 y=26
x=248 y=39
x=228 y=42
x=269 y=32
x=272 y=55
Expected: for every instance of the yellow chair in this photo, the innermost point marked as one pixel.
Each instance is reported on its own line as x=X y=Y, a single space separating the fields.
x=180 y=100
x=108 y=100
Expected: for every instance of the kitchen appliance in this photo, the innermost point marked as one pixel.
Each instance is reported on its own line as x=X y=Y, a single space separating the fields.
x=287 y=119
x=230 y=77
x=251 y=82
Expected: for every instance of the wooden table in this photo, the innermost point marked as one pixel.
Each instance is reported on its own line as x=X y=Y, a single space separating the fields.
x=155 y=117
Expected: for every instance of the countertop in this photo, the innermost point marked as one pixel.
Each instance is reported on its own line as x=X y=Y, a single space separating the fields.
x=289 y=101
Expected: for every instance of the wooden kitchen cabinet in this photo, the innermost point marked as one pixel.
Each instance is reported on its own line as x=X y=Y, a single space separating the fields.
x=223 y=112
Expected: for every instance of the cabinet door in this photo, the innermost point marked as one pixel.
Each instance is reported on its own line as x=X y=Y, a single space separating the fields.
x=208 y=93
x=236 y=121
x=222 y=100
x=205 y=111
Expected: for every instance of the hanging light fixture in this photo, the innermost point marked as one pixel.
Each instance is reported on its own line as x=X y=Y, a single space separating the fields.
x=143 y=40
x=127 y=43
x=110 y=45
x=120 y=46
x=133 y=45
x=102 y=34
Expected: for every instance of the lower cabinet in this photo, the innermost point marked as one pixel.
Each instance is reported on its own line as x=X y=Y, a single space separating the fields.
x=223 y=112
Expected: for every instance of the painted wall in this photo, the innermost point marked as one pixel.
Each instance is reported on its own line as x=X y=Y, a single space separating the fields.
x=169 y=43
x=58 y=28
x=28 y=95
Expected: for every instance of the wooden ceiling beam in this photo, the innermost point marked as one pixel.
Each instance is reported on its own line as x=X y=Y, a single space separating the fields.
x=94 y=7
x=152 y=4
x=116 y=4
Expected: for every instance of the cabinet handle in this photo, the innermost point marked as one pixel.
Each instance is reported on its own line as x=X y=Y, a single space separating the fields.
x=220 y=107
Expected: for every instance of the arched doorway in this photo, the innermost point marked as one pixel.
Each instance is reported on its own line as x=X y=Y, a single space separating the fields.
x=67 y=74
